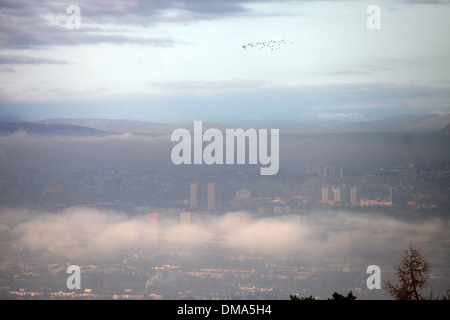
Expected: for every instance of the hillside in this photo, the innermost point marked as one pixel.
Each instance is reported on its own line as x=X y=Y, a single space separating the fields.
x=7 y=128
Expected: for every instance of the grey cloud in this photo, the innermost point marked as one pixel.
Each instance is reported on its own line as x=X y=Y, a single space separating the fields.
x=16 y=59
x=428 y=1
x=8 y=69
x=98 y=234
x=339 y=116
x=27 y=25
x=210 y=85
x=25 y=20
x=346 y=72
x=42 y=34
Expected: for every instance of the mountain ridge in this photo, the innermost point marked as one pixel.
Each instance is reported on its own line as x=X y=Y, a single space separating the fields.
x=406 y=124
x=7 y=128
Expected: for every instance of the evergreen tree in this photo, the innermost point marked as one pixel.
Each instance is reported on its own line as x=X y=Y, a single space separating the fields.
x=412 y=276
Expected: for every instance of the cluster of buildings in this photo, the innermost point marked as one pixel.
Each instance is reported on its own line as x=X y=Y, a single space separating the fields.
x=332 y=171
x=157 y=218
x=210 y=200
x=211 y=190
x=351 y=196
x=318 y=186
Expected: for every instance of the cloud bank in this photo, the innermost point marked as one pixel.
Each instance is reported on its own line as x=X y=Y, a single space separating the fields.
x=330 y=250
x=101 y=235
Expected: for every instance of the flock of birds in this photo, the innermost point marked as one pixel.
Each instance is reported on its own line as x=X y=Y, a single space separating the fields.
x=271 y=44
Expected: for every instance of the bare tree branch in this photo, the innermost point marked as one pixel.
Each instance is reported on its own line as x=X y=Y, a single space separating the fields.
x=412 y=275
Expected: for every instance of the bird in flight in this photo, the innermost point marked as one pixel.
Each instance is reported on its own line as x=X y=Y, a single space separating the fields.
x=271 y=44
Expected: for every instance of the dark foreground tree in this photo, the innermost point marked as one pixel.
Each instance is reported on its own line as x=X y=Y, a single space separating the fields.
x=412 y=276
x=296 y=297
x=335 y=296
x=339 y=297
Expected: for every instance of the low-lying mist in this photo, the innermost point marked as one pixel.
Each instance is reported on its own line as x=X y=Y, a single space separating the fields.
x=333 y=248
x=338 y=237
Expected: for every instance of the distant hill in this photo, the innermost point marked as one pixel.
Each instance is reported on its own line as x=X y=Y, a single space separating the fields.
x=118 y=126
x=406 y=123
x=434 y=124
x=121 y=126
x=446 y=129
x=8 y=118
x=7 y=128
x=399 y=123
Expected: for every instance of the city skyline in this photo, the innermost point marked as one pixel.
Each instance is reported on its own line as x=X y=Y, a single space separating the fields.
x=141 y=227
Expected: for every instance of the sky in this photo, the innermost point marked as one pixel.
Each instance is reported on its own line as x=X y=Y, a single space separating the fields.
x=210 y=60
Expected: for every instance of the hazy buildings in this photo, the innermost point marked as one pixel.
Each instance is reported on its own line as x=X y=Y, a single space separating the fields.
x=333 y=171
x=340 y=195
x=213 y=196
x=313 y=167
x=335 y=191
x=337 y=194
x=155 y=218
x=324 y=194
x=354 y=196
x=407 y=173
x=243 y=194
x=378 y=202
x=198 y=201
x=186 y=217
x=112 y=187
x=195 y=195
